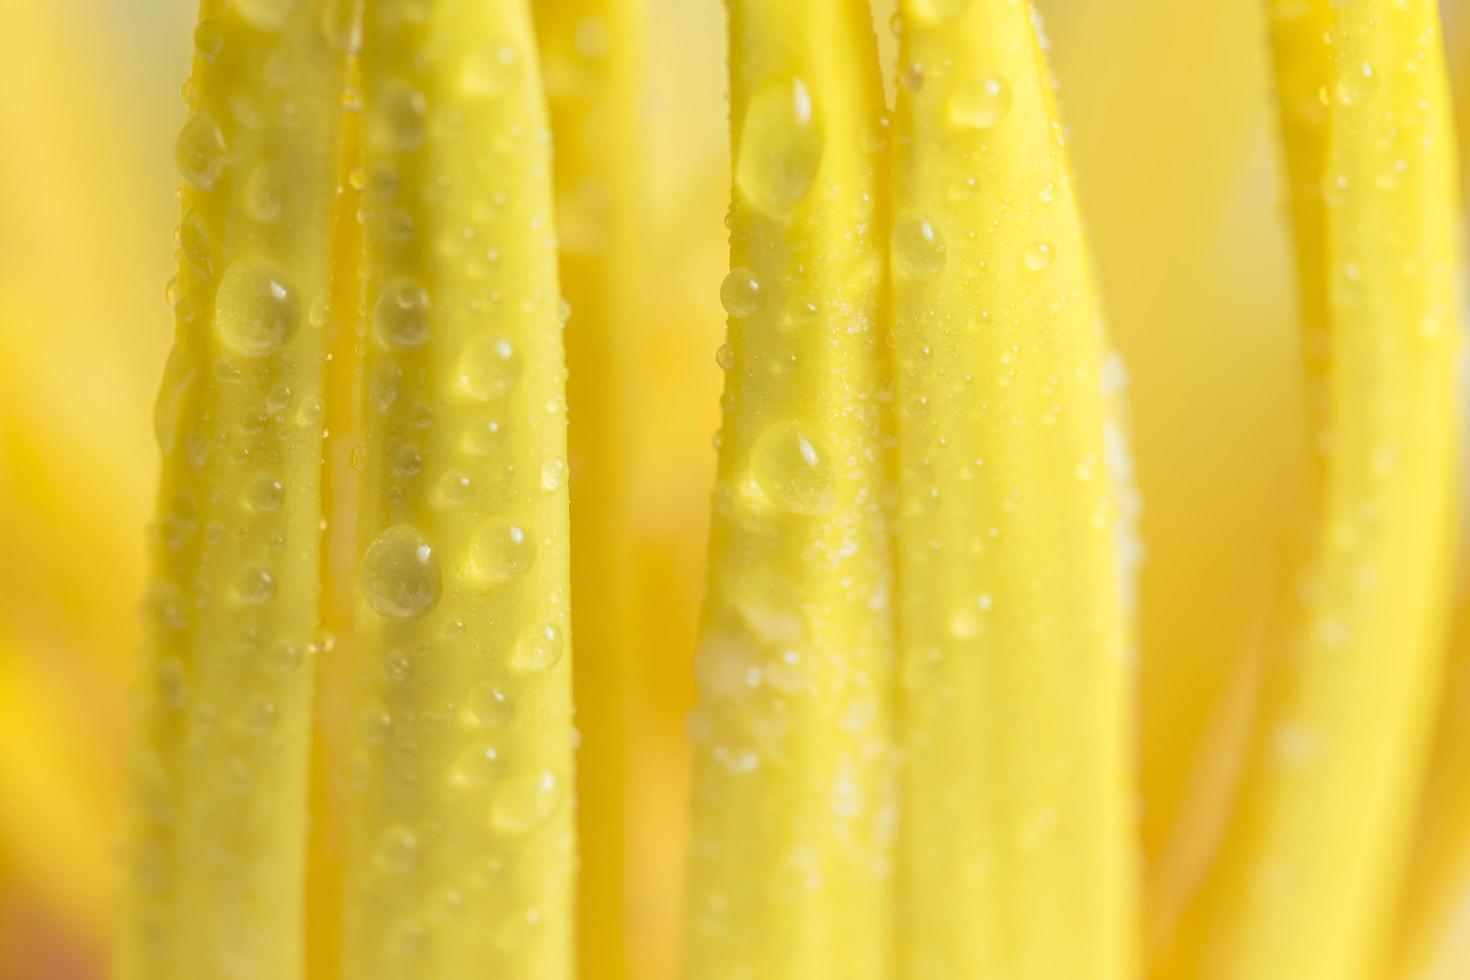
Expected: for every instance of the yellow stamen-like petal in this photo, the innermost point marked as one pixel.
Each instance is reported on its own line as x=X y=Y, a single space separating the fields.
x=460 y=854
x=793 y=798
x=1013 y=634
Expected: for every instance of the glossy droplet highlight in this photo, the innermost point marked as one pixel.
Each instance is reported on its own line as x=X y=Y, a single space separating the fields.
x=1357 y=85
x=554 y=473
x=980 y=103
x=539 y=648
x=501 y=553
x=489 y=70
x=401 y=315
x=398 y=118
x=526 y=802
x=489 y=368
x=400 y=573
x=200 y=151
x=740 y=293
x=780 y=147
x=398 y=850
x=1039 y=256
x=265 y=193
x=477 y=764
x=487 y=706
x=936 y=11
x=918 y=248
x=263 y=494
x=793 y=472
x=255 y=311
x=268 y=15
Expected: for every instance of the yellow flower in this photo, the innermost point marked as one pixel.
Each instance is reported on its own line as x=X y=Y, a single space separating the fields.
x=361 y=791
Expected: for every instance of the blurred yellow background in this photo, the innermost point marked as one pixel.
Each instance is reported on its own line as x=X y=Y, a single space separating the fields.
x=1170 y=109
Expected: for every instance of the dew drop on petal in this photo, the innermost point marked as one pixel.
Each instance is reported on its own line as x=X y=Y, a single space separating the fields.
x=918 y=248
x=255 y=311
x=792 y=471
x=401 y=315
x=780 y=147
x=539 y=648
x=400 y=573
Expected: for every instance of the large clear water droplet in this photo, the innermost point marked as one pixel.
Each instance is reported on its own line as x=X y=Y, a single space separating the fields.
x=255 y=311
x=400 y=573
x=792 y=471
x=780 y=147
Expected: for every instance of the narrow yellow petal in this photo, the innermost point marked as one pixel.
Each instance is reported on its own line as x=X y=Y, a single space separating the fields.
x=591 y=53
x=1014 y=676
x=220 y=774
x=793 y=796
x=1306 y=879
x=460 y=855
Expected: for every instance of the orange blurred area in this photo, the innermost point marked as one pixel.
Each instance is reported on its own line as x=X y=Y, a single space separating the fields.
x=1173 y=134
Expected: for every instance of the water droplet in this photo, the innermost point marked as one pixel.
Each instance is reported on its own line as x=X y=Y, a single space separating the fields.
x=539 y=648
x=265 y=193
x=400 y=574
x=792 y=471
x=268 y=15
x=200 y=151
x=780 y=147
x=554 y=473
x=375 y=724
x=936 y=11
x=725 y=357
x=255 y=311
x=398 y=850
x=398 y=118
x=173 y=395
x=407 y=461
x=489 y=368
x=1357 y=85
x=255 y=586
x=209 y=39
x=284 y=656
x=968 y=618
x=260 y=716
x=386 y=384
x=455 y=489
x=477 y=764
x=488 y=706
x=980 y=103
x=173 y=682
x=526 y=802
x=501 y=553
x=401 y=315
x=740 y=293
x=483 y=437
x=489 y=70
x=918 y=248
x=263 y=494
x=1039 y=256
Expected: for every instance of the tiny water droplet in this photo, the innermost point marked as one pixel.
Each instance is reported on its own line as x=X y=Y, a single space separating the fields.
x=1039 y=256
x=263 y=494
x=489 y=368
x=200 y=151
x=526 y=803
x=488 y=706
x=539 y=648
x=401 y=315
x=489 y=70
x=918 y=248
x=398 y=850
x=980 y=103
x=501 y=553
x=936 y=11
x=477 y=764
x=554 y=473
x=740 y=293
x=265 y=193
